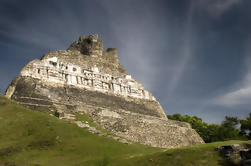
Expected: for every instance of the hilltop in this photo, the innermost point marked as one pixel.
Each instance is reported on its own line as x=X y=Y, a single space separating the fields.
x=29 y=137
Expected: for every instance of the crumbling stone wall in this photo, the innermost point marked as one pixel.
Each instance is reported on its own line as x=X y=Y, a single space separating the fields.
x=89 y=45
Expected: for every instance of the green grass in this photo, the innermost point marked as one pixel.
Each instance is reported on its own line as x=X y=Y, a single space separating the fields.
x=30 y=137
x=34 y=138
x=199 y=155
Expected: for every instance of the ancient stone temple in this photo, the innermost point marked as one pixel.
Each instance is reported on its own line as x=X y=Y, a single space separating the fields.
x=87 y=79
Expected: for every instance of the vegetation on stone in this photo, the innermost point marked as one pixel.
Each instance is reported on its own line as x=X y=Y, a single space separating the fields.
x=86 y=119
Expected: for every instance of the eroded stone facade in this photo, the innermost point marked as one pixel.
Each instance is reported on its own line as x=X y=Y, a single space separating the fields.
x=52 y=70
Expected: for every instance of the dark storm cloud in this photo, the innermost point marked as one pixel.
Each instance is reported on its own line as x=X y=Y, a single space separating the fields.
x=193 y=55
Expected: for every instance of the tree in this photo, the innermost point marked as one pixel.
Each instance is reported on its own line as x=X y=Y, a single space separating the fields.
x=230 y=122
x=228 y=129
x=213 y=132
x=246 y=126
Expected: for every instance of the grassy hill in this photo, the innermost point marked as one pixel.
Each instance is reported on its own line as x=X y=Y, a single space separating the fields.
x=30 y=137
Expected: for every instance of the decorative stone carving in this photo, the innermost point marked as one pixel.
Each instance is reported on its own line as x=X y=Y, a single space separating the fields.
x=54 y=71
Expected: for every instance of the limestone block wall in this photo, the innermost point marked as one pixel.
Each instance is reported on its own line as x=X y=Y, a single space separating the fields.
x=148 y=130
x=48 y=96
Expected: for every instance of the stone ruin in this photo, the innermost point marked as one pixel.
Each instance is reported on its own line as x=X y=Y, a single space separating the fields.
x=86 y=79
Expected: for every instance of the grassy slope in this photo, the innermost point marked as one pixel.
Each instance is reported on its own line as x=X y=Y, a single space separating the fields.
x=33 y=138
x=200 y=155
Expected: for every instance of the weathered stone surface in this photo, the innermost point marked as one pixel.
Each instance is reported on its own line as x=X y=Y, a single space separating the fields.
x=236 y=154
x=86 y=79
x=89 y=45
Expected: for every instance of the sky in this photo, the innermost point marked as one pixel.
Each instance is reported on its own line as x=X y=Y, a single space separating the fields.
x=193 y=55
